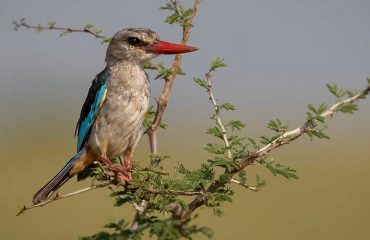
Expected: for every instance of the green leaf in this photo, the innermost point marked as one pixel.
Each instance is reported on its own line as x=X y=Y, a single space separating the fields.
x=215 y=149
x=320 y=119
x=179 y=16
x=149 y=118
x=201 y=82
x=251 y=140
x=236 y=125
x=277 y=126
x=222 y=162
x=319 y=134
x=278 y=169
x=227 y=106
x=169 y=6
x=260 y=182
x=266 y=140
x=105 y=40
x=215 y=131
x=286 y=171
x=333 y=89
x=64 y=33
x=217 y=63
x=97 y=30
x=88 y=26
x=321 y=108
x=242 y=177
x=312 y=108
x=347 y=108
x=163 y=72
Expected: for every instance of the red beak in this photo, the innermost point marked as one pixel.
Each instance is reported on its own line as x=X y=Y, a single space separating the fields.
x=163 y=47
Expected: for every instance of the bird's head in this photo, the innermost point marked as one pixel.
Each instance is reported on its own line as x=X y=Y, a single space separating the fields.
x=140 y=45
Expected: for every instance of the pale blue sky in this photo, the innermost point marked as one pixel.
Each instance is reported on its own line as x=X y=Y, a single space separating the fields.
x=279 y=49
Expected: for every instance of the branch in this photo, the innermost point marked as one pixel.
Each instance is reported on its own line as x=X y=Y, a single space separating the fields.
x=173 y=193
x=217 y=114
x=58 y=197
x=253 y=188
x=163 y=100
x=153 y=171
x=51 y=26
x=292 y=135
x=284 y=139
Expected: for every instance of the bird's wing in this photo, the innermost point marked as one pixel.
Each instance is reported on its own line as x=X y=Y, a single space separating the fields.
x=91 y=106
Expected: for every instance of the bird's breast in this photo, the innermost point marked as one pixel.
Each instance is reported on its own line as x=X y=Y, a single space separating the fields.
x=121 y=115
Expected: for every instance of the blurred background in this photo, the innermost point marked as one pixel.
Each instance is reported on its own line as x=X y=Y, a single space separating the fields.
x=280 y=55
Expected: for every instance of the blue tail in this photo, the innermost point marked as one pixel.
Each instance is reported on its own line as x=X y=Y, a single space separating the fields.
x=56 y=182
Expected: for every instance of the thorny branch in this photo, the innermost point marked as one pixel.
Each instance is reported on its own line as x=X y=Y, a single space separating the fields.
x=284 y=139
x=174 y=193
x=51 y=26
x=58 y=197
x=163 y=100
x=217 y=114
x=253 y=188
x=289 y=136
x=109 y=184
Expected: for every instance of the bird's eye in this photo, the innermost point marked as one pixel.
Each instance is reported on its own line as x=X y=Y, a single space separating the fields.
x=133 y=41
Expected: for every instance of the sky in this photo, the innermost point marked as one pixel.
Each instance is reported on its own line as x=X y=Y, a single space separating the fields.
x=280 y=56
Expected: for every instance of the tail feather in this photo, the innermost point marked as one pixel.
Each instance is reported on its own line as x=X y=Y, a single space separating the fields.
x=57 y=181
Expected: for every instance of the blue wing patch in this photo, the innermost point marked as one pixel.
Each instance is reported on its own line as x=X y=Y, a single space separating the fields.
x=91 y=107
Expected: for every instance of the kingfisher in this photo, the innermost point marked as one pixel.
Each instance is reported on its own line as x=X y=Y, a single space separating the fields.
x=112 y=115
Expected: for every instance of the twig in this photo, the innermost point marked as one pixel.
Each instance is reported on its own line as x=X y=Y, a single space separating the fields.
x=291 y=135
x=139 y=212
x=174 y=193
x=151 y=65
x=153 y=171
x=39 y=28
x=217 y=114
x=253 y=188
x=163 y=100
x=58 y=197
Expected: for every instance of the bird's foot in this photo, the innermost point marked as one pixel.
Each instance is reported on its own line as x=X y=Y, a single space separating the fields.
x=123 y=172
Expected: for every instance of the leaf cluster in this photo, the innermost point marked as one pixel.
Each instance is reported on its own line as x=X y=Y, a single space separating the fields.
x=180 y=15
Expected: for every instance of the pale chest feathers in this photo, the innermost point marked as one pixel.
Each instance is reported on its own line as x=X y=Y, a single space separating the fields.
x=128 y=93
x=122 y=111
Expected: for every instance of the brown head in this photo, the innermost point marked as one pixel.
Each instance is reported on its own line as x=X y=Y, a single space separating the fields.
x=140 y=45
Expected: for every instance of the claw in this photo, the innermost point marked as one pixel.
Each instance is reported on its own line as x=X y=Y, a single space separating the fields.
x=123 y=172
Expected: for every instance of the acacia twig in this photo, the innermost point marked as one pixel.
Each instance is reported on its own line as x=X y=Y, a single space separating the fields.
x=173 y=192
x=253 y=188
x=51 y=26
x=217 y=114
x=58 y=197
x=153 y=171
x=292 y=135
x=163 y=100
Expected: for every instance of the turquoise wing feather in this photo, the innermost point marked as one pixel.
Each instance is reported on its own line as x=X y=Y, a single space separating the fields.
x=91 y=107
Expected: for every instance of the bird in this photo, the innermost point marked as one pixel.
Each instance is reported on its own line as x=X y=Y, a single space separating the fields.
x=112 y=115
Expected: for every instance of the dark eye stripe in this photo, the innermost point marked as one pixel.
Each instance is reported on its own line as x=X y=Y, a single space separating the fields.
x=134 y=41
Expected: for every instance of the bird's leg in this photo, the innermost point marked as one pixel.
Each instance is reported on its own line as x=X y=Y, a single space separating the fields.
x=128 y=162
x=121 y=171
